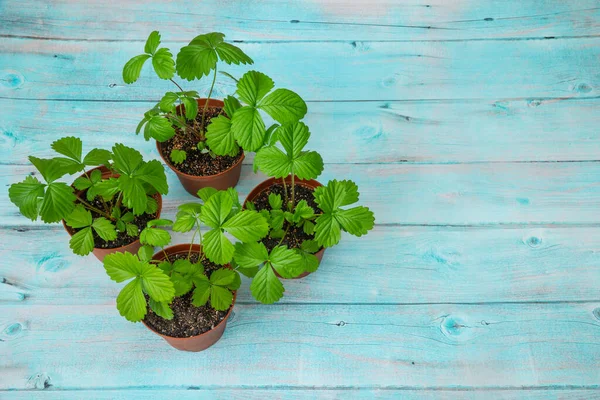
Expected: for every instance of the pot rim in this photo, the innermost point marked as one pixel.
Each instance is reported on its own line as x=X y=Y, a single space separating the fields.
x=105 y=170
x=160 y=256
x=174 y=169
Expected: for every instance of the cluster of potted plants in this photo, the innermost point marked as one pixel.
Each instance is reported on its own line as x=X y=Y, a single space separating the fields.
x=185 y=292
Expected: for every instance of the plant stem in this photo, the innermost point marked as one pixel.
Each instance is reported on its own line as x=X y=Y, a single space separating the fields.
x=92 y=208
x=166 y=255
x=293 y=194
x=119 y=200
x=284 y=233
x=207 y=99
x=176 y=84
x=285 y=194
x=192 y=243
x=106 y=208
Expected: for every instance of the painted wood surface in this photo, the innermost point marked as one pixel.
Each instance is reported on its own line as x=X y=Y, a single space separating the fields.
x=320 y=71
x=472 y=131
x=392 y=265
x=372 y=132
x=297 y=345
x=314 y=20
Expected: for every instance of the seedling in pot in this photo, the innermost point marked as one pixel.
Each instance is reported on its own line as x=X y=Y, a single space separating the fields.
x=221 y=132
x=99 y=209
x=320 y=222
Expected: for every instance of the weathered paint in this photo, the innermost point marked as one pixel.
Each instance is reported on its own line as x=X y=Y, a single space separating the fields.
x=472 y=131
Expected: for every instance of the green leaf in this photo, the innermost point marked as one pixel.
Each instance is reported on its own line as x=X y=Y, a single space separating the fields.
x=192 y=208
x=133 y=68
x=82 y=242
x=126 y=159
x=277 y=233
x=131 y=302
x=216 y=209
x=357 y=221
x=182 y=283
x=156 y=283
x=163 y=63
x=237 y=282
x=231 y=54
x=231 y=105
x=284 y=106
x=271 y=136
x=69 y=146
x=134 y=194
x=159 y=128
x=265 y=286
x=217 y=247
x=151 y=206
x=122 y=266
x=80 y=217
x=310 y=263
x=303 y=211
x=185 y=221
x=162 y=309
x=250 y=255
x=196 y=60
x=153 y=173
x=336 y=194
x=96 y=176
x=303 y=164
x=25 y=195
x=247 y=226
x=220 y=298
x=310 y=246
x=152 y=42
x=155 y=237
x=145 y=253
x=327 y=230
x=201 y=293
x=248 y=128
x=106 y=188
x=273 y=162
x=167 y=103
x=132 y=230
x=82 y=183
x=191 y=107
x=97 y=157
x=206 y=193
x=58 y=202
x=105 y=229
x=275 y=201
x=308 y=227
x=222 y=277
x=287 y=262
x=253 y=86
x=51 y=169
x=308 y=165
x=219 y=137
x=159 y=222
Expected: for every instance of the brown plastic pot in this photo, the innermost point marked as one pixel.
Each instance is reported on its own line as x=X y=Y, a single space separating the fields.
x=132 y=247
x=221 y=181
x=199 y=342
x=261 y=187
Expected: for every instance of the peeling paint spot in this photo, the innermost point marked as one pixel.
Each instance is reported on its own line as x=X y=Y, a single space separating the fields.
x=488 y=19
x=523 y=201
x=534 y=103
x=452 y=326
x=39 y=381
x=389 y=81
x=369 y=133
x=596 y=313
x=583 y=88
x=52 y=262
x=444 y=258
x=9 y=139
x=13 y=329
x=11 y=79
x=534 y=242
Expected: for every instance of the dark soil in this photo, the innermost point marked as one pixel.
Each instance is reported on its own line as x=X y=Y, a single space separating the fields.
x=123 y=239
x=188 y=320
x=197 y=163
x=295 y=236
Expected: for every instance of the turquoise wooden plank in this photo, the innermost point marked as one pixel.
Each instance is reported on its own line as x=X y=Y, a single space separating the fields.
x=302 y=394
x=310 y=346
x=391 y=265
x=320 y=71
x=430 y=194
x=308 y=20
x=372 y=132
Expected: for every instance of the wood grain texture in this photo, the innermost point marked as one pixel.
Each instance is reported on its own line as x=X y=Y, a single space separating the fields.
x=297 y=345
x=317 y=20
x=428 y=194
x=391 y=265
x=310 y=394
x=323 y=71
x=372 y=132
